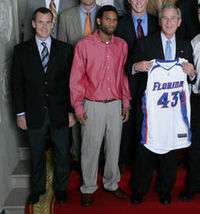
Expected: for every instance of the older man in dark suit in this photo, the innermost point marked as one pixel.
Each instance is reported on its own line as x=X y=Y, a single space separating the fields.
x=40 y=74
x=155 y=47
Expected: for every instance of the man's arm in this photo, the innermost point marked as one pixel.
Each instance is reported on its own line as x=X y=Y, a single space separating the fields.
x=17 y=81
x=62 y=27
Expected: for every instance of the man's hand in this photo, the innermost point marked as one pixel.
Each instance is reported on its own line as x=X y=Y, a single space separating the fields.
x=125 y=115
x=21 y=122
x=82 y=118
x=188 y=68
x=72 y=119
x=142 y=66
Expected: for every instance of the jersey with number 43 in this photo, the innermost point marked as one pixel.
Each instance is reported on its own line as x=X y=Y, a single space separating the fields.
x=166 y=108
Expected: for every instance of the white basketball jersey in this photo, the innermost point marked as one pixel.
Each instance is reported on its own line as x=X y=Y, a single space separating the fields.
x=166 y=108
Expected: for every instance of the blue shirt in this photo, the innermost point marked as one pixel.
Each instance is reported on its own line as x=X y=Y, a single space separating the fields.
x=83 y=16
x=144 y=23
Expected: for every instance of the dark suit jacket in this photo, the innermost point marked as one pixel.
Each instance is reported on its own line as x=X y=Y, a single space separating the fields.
x=126 y=29
x=190 y=26
x=33 y=89
x=151 y=48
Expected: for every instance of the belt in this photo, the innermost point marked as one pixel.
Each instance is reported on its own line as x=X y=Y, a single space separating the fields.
x=102 y=101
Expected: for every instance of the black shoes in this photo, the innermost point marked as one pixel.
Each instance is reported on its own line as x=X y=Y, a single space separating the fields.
x=137 y=198
x=165 y=198
x=186 y=196
x=87 y=199
x=34 y=197
x=61 y=197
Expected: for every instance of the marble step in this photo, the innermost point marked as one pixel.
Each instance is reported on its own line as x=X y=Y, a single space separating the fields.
x=15 y=202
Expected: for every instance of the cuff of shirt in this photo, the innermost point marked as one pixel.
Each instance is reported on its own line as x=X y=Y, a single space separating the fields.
x=133 y=70
x=79 y=110
x=126 y=104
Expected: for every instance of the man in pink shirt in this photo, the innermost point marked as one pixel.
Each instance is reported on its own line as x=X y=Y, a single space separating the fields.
x=100 y=96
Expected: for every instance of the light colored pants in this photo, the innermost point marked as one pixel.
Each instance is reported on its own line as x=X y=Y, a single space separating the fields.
x=104 y=120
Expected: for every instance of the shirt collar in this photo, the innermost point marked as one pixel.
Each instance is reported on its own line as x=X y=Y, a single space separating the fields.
x=144 y=17
x=164 y=38
x=97 y=37
x=91 y=10
x=47 y=41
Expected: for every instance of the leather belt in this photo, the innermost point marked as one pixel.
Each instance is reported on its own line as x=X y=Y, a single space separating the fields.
x=102 y=101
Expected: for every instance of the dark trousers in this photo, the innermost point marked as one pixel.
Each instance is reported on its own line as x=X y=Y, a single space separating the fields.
x=193 y=178
x=37 y=138
x=146 y=163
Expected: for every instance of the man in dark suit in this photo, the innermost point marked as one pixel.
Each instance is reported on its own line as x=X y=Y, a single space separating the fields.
x=154 y=47
x=26 y=31
x=40 y=74
x=128 y=30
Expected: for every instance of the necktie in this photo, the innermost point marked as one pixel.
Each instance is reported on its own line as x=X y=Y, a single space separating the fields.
x=88 y=27
x=140 y=32
x=44 y=56
x=168 y=50
x=52 y=7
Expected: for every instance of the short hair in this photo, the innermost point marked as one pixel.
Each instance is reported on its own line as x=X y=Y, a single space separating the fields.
x=103 y=9
x=106 y=8
x=42 y=10
x=169 y=5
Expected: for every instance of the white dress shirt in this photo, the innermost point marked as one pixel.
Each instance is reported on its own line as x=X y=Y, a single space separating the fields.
x=173 y=44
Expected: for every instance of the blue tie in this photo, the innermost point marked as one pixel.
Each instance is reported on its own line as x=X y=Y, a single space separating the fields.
x=44 y=56
x=168 y=50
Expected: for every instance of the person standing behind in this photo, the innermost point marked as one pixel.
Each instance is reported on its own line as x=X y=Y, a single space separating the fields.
x=134 y=25
x=100 y=96
x=40 y=75
x=56 y=6
x=74 y=24
x=77 y=22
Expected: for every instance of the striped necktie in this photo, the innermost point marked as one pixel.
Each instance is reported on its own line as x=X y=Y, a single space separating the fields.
x=52 y=7
x=44 y=56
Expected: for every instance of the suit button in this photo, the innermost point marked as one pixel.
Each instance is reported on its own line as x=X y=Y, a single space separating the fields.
x=47 y=95
x=45 y=82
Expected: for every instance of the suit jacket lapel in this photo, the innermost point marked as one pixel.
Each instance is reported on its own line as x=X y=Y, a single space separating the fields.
x=160 y=47
x=34 y=52
x=130 y=24
x=77 y=21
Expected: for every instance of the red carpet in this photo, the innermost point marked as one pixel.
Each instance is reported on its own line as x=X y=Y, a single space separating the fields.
x=106 y=203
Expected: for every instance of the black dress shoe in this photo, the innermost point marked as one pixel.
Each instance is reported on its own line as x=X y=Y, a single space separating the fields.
x=137 y=198
x=118 y=193
x=87 y=199
x=186 y=196
x=34 y=197
x=165 y=198
x=61 y=197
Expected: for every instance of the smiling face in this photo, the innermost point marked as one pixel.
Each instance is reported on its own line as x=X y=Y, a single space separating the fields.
x=138 y=7
x=88 y=2
x=169 y=21
x=43 y=25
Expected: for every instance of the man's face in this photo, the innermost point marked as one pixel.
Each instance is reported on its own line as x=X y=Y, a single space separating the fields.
x=169 y=22
x=88 y=2
x=43 y=25
x=108 y=22
x=138 y=6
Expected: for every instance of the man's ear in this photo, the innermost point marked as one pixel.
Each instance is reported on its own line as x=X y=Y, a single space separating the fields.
x=33 y=24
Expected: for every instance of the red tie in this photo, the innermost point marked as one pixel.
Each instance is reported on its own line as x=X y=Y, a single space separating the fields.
x=140 y=32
